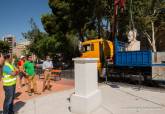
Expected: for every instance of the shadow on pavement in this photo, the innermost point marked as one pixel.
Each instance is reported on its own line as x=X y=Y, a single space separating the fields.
x=18 y=105
x=114 y=85
x=17 y=95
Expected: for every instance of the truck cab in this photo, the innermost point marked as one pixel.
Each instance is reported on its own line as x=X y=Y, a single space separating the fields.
x=98 y=48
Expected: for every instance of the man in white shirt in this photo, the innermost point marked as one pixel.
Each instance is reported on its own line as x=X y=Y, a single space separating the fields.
x=47 y=67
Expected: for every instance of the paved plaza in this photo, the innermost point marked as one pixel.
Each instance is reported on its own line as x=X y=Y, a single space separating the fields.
x=22 y=97
x=117 y=99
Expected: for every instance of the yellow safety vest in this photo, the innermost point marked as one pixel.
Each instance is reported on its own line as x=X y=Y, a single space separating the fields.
x=9 y=80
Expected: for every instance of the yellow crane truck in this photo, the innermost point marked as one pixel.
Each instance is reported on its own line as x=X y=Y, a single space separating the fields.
x=98 y=48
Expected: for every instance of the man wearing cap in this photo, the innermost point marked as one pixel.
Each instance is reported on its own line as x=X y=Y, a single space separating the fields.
x=21 y=70
x=9 y=84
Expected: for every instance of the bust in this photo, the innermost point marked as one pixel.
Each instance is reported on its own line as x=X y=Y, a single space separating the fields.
x=133 y=44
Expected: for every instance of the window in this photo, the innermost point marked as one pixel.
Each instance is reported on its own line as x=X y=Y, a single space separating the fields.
x=88 y=47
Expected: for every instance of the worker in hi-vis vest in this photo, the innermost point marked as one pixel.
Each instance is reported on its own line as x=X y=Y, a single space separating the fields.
x=9 y=74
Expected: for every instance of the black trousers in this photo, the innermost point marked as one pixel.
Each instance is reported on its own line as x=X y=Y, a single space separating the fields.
x=9 y=98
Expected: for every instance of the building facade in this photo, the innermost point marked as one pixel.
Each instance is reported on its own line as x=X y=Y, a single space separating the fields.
x=11 y=41
x=20 y=48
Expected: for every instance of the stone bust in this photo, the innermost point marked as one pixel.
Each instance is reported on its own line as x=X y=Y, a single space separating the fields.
x=133 y=44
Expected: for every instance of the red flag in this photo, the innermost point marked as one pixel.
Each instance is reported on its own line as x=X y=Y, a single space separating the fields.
x=117 y=3
x=122 y=5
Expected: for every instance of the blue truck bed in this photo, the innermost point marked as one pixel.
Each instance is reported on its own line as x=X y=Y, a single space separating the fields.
x=133 y=58
x=150 y=64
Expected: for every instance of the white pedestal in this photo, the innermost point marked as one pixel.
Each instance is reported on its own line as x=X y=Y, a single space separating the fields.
x=87 y=96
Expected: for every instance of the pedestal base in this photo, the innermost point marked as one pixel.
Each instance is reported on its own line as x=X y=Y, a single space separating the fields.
x=85 y=104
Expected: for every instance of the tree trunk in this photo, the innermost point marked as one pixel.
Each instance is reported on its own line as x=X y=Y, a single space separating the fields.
x=99 y=28
x=151 y=40
x=153 y=37
x=81 y=38
x=132 y=22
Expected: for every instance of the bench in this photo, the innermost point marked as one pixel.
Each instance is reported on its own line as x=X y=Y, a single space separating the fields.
x=56 y=74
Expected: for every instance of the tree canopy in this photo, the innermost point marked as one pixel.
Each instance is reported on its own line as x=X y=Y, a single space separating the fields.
x=4 y=46
x=70 y=20
x=148 y=19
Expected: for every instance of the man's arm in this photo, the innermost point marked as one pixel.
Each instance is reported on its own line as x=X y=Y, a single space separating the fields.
x=1 y=60
x=24 y=68
x=8 y=71
x=1 y=64
x=0 y=73
x=20 y=67
x=51 y=64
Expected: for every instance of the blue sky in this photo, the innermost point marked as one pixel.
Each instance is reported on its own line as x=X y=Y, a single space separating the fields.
x=15 y=16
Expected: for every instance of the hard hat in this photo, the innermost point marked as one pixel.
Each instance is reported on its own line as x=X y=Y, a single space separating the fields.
x=22 y=56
